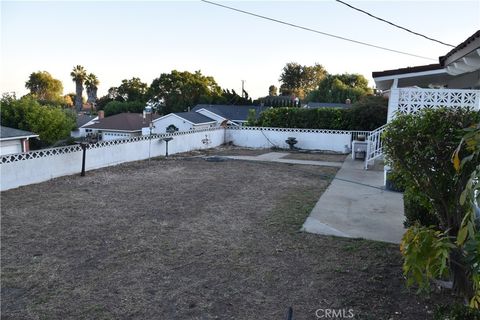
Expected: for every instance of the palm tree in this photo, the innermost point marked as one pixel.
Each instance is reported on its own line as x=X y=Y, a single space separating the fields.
x=91 y=84
x=78 y=75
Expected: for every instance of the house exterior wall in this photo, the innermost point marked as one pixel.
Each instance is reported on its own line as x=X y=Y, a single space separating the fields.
x=116 y=135
x=465 y=81
x=162 y=124
x=11 y=146
x=204 y=126
x=82 y=132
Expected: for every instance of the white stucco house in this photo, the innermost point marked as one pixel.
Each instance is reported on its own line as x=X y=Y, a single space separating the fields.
x=203 y=116
x=14 y=140
x=83 y=120
x=236 y=115
x=453 y=82
x=180 y=121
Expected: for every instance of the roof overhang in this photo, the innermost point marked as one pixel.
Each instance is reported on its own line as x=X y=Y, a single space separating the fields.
x=464 y=58
x=213 y=113
x=436 y=77
x=468 y=63
x=181 y=118
x=19 y=137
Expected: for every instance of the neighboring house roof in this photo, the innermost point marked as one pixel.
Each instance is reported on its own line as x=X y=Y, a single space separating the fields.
x=472 y=43
x=315 y=105
x=123 y=122
x=194 y=117
x=83 y=119
x=423 y=76
x=231 y=112
x=7 y=133
x=428 y=67
x=461 y=59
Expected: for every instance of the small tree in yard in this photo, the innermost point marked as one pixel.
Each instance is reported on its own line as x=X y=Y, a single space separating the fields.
x=420 y=148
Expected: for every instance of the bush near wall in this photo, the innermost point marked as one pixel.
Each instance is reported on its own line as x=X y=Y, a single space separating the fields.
x=428 y=150
x=368 y=114
x=51 y=123
x=324 y=118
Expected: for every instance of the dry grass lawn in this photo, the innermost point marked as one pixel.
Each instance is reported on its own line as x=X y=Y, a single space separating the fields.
x=185 y=238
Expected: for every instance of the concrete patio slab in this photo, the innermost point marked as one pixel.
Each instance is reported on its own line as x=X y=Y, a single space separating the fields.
x=356 y=205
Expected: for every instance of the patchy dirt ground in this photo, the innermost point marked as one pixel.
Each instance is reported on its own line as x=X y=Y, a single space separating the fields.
x=189 y=239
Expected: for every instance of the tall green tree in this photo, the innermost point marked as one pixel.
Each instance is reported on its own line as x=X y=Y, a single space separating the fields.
x=78 y=75
x=44 y=87
x=176 y=91
x=91 y=84
x=340 y=87
x=231 y=97
x=132 y=90
x=52 y=123
x=299 y=79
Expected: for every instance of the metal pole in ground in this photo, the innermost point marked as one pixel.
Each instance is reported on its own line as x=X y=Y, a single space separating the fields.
x=166 y=146
x=83 y=145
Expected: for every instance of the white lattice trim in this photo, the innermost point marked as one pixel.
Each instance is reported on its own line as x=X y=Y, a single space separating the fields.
x=327 y=131
x=411 y=100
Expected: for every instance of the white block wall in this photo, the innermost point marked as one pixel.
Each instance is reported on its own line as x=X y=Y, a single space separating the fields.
x=310 y=139
x=42 y=165
x=103 y=154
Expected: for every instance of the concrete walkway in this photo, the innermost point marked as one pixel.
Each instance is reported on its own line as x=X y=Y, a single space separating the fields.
x=356 y=205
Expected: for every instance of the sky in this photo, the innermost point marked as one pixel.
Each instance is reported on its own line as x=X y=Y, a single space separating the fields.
x=119 y=40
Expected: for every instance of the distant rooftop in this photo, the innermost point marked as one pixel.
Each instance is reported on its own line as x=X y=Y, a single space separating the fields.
x=9 y=133
x=83 y=119
x=123 y=122
x=194 y=117
x=231 y=112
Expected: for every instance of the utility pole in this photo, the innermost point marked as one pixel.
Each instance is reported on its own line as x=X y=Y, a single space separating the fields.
x=243 y=89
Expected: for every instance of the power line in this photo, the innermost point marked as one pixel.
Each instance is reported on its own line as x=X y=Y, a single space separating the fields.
x=393 y=24
x=316 y=31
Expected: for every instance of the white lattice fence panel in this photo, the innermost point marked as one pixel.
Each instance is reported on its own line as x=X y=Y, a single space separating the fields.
x=411 y=100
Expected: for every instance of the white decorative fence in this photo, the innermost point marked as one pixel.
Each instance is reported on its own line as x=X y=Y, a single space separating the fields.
x=411 y=100
x=38 y=166
x=311 y=139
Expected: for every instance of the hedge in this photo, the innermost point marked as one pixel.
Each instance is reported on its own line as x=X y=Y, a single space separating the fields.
x=366 y=115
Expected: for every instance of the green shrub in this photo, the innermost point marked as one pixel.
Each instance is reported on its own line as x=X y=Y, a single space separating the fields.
x=428 y=150
x=418 y=209
x=395 y=182
x=368 y=114
x=420 y=148
x=51 y=123
x=322 y=118
x=456 y=312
